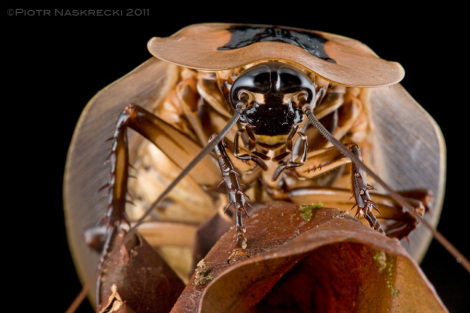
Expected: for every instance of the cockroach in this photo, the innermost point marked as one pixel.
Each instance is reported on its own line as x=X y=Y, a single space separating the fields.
x=275 y=113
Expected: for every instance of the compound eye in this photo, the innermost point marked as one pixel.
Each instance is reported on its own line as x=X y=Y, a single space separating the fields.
x=289 y=81
x=262 y=81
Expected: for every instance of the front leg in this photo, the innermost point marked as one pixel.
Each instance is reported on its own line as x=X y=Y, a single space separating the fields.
x=236 y=198
x=301 y=154
x=247 y=157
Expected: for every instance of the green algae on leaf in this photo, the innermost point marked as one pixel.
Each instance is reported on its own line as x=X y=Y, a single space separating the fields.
x=307 y=210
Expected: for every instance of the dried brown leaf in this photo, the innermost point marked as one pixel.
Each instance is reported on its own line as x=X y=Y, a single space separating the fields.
x=137 y=280
x=327 y=263
x=207 y=235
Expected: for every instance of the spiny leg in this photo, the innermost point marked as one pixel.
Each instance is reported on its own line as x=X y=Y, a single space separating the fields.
x=247 y=157
x=117 y=186
x=293 y=162
x=156 y=131
x=330 y=159
x=395 y=221
x=361 y=192
x=186 y=154
x=236 y=198
x=360 y=186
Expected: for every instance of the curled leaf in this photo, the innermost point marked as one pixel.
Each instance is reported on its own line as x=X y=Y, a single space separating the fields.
x=331 y=263
x=136 y=279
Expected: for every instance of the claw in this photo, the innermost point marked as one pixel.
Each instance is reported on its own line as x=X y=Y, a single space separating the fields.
x=238 y=252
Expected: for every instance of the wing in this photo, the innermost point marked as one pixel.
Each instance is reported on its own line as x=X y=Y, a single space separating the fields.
x=86 y=172
x=409 y=152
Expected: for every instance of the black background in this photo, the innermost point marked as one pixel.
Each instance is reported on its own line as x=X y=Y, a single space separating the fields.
x=54 y=65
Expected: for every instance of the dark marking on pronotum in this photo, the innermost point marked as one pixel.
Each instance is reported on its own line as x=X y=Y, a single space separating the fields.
x=245 y=35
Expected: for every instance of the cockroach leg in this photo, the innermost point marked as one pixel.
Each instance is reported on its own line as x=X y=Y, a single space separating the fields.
x=359 y=183
x=147 y=125
x=302 y=153
x=117 y=185
x=361 y=189
x=236 y=198
x=246 y=157
x=237 y=252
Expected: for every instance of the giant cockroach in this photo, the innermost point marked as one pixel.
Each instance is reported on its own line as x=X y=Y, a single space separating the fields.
x=292 y=109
